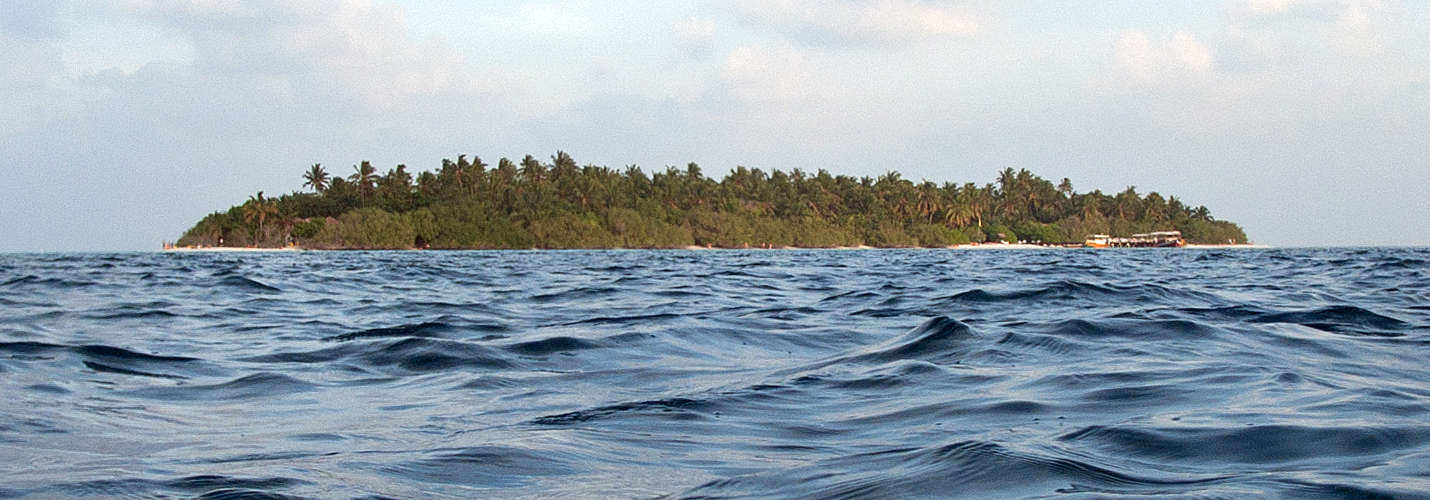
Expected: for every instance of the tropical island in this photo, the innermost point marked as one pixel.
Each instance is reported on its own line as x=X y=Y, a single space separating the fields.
x=560 y=204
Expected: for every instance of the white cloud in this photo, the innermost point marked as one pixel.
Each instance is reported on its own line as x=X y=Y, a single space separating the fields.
x=1271 y=7
x=1259 y=113
x=858 y=22
x=764 y=73
x=1140 y=61
x=33 y=83
x=1288 y=106
x=1269 y=33
x=347 y=46
x=266 y=87
x=1315 y=11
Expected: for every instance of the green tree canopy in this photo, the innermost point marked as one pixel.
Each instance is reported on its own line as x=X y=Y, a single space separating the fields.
x=561 y=204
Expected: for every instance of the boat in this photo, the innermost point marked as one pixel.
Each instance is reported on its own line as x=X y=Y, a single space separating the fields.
x=1097 y=241
x=1167 y=239
x=1159 y=239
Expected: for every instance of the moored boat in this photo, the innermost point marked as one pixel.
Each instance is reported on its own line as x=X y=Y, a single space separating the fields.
x=1159 y=239
x=1097 y=241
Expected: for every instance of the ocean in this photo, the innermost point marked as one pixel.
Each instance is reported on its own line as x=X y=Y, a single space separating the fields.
x=810 y=374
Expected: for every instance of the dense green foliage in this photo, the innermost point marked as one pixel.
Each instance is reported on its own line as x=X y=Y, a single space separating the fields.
x=531 y=204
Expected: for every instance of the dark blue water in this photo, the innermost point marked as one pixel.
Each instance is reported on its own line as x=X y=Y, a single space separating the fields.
x=717 y=374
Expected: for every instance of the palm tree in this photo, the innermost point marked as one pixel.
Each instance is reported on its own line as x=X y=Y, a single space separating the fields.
x=394 y=189
x=563 y=165
x=958 y=210
x=1007 y=181
x=1202 y=213
x=365 y=177
x=453 y=173
x=532 y=171
x=928 y=200
x=1154 y=209
x=473 y=172
x=1090 y=204
x=316 y=178
x=426 y=182
x=1065 y=204
x=259 y=208
x=1127 y=203
x=1065 y=188
x=977 y=200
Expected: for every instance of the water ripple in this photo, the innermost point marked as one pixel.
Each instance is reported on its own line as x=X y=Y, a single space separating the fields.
x=1212 y=373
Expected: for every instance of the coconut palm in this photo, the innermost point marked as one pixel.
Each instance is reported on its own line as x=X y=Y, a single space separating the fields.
x=532 y=171
x=257 y=207
x=1007 y=181
x=365 y=178
x=316 y=178
x=563 y=165
x=1128 y=203
x=977 y=200
x=530 y=194
x=1090 y=210
x=928 y=202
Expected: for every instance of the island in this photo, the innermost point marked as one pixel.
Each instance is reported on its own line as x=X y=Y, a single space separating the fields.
x=559 y=204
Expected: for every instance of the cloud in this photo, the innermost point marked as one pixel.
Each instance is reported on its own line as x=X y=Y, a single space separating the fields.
x=311 y=48
x=1267 y=33
x=267 y=87
x=271 y=70
x=857 y=22
x=764 y=73
x=1276 y=108
x=1315 y=11
x=1140 y=61
x=1288 y=107
x=32 y=72
x=1295 y=52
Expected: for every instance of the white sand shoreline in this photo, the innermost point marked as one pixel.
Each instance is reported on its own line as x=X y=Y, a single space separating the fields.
x=984 y=246
x=233 y=249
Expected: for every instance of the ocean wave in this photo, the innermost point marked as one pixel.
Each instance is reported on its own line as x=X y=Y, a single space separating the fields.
x=1339 y=319
x=966 y=469
x=426 y=329
x=405 y=355
x=1257 y=444
x=246 y=284
x=260 y=385
x=1295 y=373
x=483 y=467
x=110 y=359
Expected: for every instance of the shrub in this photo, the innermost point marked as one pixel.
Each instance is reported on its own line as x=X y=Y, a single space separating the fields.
x=999 y=232
x=570 y=231
x=309 y=228
x=811 y=232
x=375 y=228
x=933 y=235
x=633 y=229
x=1034 y=232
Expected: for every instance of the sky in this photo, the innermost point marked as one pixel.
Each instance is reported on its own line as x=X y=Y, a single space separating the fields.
x=123 y=122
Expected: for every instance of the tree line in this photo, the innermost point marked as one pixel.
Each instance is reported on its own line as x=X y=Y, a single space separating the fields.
x=468 y=204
